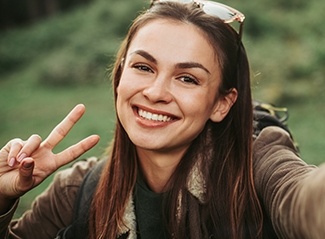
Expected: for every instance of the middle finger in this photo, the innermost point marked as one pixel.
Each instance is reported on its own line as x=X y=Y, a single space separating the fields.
x=63 y=128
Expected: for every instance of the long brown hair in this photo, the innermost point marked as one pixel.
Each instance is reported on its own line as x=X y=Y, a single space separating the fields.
x=231 y=208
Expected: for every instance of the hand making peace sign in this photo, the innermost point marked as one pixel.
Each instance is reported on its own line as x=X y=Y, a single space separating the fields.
x=25 y=164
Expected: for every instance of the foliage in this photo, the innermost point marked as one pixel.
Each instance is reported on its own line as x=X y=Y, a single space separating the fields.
x=69 y=49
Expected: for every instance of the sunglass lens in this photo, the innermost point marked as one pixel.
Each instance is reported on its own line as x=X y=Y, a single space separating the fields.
x=218 y=11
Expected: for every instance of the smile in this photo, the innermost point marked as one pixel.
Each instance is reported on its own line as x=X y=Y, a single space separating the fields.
x=154 y=117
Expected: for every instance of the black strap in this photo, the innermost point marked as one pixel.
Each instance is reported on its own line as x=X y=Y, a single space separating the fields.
x=269 y=115
x=79 y=227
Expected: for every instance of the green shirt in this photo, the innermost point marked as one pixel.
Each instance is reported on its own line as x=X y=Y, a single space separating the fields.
x=148 y=210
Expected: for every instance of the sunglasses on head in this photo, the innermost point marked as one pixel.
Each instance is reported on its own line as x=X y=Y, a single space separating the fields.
x=225 y=13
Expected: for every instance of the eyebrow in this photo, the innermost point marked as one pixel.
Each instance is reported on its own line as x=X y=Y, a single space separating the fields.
x=182 y=65
x=186 y=65
x=145 y=55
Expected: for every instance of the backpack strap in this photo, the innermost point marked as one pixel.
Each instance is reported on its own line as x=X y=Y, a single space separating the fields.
x=268 y=115
x=79 y=227
x=265 y=115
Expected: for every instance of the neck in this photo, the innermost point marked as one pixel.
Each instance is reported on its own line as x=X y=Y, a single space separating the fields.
x=157 y=167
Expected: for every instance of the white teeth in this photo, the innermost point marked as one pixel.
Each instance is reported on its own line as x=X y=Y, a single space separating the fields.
x=155 y=117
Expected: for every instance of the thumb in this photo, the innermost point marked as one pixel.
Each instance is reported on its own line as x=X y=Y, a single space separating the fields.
x=25 y=179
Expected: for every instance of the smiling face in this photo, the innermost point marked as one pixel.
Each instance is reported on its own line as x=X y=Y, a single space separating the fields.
x=168 y=87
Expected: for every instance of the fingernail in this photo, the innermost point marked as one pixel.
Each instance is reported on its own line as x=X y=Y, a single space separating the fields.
x=28 y=165
x=12 y=162
x=21 y=157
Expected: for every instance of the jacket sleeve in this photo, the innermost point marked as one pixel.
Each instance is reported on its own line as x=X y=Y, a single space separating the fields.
x=291 y=192
x=52 y=210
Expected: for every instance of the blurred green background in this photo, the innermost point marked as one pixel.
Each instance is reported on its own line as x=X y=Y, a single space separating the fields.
x=52 y=62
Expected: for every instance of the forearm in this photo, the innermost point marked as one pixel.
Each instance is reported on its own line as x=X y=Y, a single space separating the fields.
x=279 y=177
x=309 y=210
x=5 y=219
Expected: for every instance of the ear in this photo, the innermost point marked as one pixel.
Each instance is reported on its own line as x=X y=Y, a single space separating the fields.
x=223 y=105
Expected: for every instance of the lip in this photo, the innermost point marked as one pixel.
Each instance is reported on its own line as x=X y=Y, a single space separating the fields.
x=153 y=123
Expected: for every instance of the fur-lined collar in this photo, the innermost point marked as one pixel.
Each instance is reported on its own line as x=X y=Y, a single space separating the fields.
x=196 y=186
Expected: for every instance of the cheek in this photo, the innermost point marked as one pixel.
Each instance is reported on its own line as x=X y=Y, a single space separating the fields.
x=197 y=105
x=124 y=89
x=129 y=84
x=121 y=97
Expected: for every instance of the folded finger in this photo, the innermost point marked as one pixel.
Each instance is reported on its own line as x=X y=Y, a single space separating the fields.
x=14 y=147
x=29 y=147
x=63 y=128
x=76 y=150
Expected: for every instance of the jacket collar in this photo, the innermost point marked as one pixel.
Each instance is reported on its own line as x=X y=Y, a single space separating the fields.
x=196 y=186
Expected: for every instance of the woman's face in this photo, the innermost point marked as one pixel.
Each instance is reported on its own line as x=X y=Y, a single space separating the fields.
x=168 y=86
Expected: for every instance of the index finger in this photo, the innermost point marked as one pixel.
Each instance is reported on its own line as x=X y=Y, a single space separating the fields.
x=63 y=128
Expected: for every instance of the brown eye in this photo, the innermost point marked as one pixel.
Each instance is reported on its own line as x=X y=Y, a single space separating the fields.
x=142 y=67
x=188 y=80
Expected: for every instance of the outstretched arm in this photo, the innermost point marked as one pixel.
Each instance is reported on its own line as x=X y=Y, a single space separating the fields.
x=292 y=192
x=25 y=164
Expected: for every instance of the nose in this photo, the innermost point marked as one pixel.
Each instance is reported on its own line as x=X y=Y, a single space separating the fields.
x=159 y=90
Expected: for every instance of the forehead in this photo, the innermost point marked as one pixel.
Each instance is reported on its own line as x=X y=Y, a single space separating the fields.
x=174 y=39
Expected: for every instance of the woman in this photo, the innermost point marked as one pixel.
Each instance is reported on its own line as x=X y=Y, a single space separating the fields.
x=180 y=164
